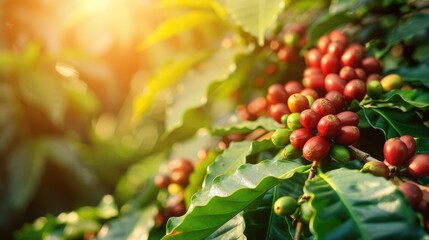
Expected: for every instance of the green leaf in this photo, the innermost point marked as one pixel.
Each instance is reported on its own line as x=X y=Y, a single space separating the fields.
x=255 y=16
x=403 y=99
x=192 y=92
x=422 y=145
x=324 y=26
x=174 y=26
x=233 y=229
x=44 y=90
x=413 y=25
x=25 y=167
x=353 y=205
x=233 y=157
x=414 y=75
x=266 y=123
x=227 y=196
x=395 y=123
x=166 y=76
x=135 y=225
x=262 y=222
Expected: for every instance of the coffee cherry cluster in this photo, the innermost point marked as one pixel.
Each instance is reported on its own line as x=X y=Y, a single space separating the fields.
x=288 y=43
x=173 y=184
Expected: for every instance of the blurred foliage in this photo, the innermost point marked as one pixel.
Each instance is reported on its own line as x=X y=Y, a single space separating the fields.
x=97 y=96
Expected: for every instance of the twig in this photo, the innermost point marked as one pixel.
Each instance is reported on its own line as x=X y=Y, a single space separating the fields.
x=364 y=157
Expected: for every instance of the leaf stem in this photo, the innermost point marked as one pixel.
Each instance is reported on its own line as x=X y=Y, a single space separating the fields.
x=364 y=157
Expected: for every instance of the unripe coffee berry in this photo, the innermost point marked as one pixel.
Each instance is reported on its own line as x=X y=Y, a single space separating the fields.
x=285 y=206
x=297 y=103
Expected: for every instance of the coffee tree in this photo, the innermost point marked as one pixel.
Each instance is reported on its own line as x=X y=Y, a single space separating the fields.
x=309 y=121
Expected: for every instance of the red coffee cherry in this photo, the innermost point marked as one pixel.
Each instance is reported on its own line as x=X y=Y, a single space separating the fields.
x=310 y=92
x=372 y=77
x=410 y=142
x=419 y=165
x=348 y=118
x=162 y=181
x=323 y=43
x=243 y=113
x=395 y=152
x=336 y=48
x=329 y=64
x=323 y=107
x=177 y=209
x=361 y=74
x=351 y=57
x=309 y=119
x=333 y=82
x=288 y=55
x=336 y=99
x=258 y=106
x=316 y=148
x=338 y=36
x=180 y=177
x=313 y=57
x=412 y=192
x=355 y=89
x=293 y=86
x=311 y=70
x=276 y=111
x=315 y=81
x=329 y=126
x=277 y=94
x=181 y=164
x=371 y=65
x=348 y=73
x=348 y=135
x=297 y=103
x=300 y=136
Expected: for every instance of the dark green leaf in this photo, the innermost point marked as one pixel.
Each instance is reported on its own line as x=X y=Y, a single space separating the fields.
x=266 y=123
x=394 y=122
x=324 y=26
x=227 y=196
x=233 y=229
x=403 y=99
x=233 y=157
x=255 y=16
x=422 y=145
x=412 y=26
x=353 y=205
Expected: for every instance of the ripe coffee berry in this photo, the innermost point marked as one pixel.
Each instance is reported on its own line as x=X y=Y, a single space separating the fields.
x=258 y=106
x=323 y=107
x=351 y=57
x=419 y=165
x=323 y=43
x=277 y=94
x=329 y=126
x=336 y=48
x=293 y=86
x=336 y=99
x=288 y=55
x=371 y=65
x=355 y=89
x=310 y=92
x=180 y=177
x=314 y=81
x=276 y=111
x=333 y=82
x=348 y=118
x=162 y=181
x=311 y=70
x=412 y=192
x=309 y=119
x=316 y=148
x=361 y=74
x=300 y=136
x=410 y=142
x=329 y=64
x=313 y=58
x=347 y=73
x=348 y=135
x=395 y=152
x=181 y=164
x=338 y=36
x=297 y=103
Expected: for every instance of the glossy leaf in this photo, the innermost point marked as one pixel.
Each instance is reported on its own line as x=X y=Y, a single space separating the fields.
x=353 y=205
x=233 y=229
x=255 y=16
x=266 y=123
x=192 y=90
x=174 y=26
x=403 y=99
x=262 y=222
x=135 y=225
x=227 y=196
x=233 y=157
x=422 y=145
x=411 y=27
x=393 y=122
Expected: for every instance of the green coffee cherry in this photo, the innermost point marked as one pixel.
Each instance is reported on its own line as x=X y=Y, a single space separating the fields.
x=285 y=206
x=376 y=168
x=293 y=121
x=374 y=89
x=290 y=152
x=391 y=81
x=339 y=153
x=280 y=137
x=306 y=212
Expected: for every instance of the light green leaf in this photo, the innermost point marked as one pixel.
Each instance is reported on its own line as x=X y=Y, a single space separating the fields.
x=174 y=26
x=233 y=157
x=403 y=99
x=233 y=229
x=229 y=195
x=167 y=76
x=192 y=92
x=255 y=16
x=266 y=123
x=25 y=167
x=353 y=205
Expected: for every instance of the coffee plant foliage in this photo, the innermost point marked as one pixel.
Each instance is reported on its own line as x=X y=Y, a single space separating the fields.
x=238 y=172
